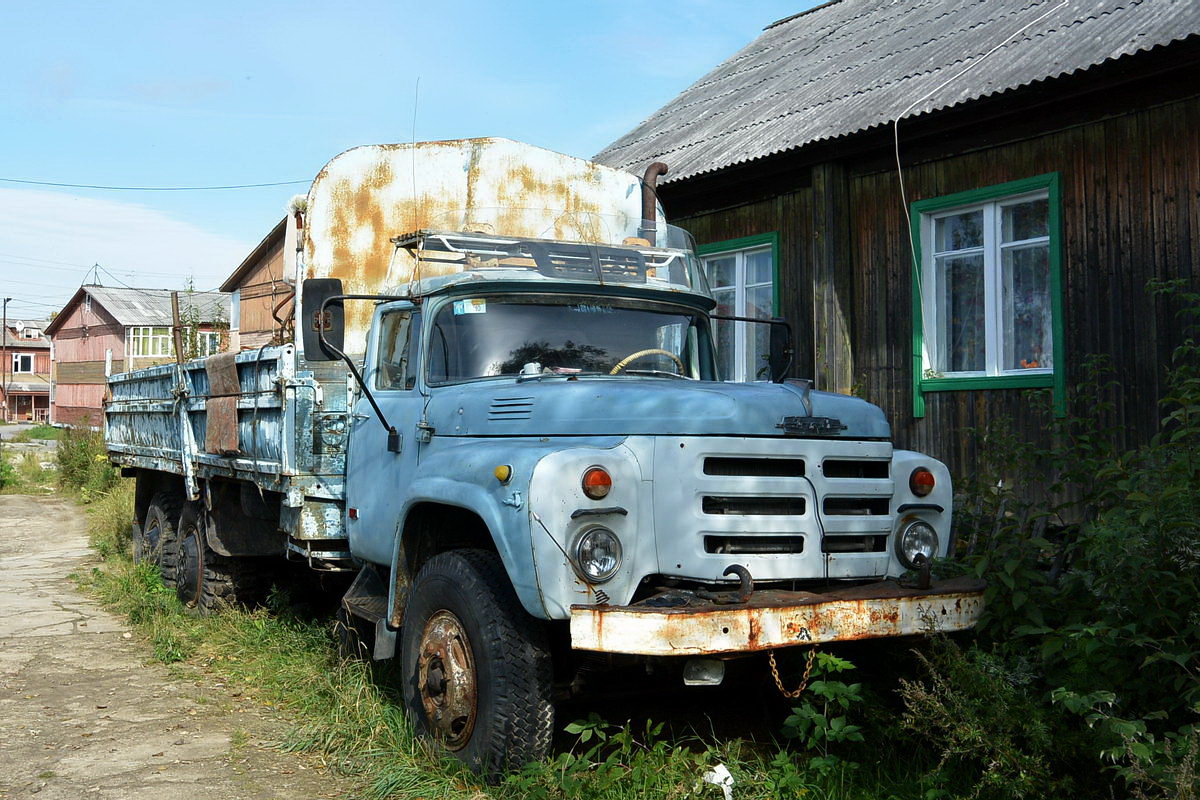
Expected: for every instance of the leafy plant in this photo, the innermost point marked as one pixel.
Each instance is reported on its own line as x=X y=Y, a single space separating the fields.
x=83 y=465
x=825 y=722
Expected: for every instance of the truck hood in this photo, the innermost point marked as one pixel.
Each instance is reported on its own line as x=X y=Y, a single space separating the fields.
x=603 y=406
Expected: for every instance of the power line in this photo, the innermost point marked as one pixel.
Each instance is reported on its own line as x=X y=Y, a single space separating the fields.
x=152 y=188
x=68 y=266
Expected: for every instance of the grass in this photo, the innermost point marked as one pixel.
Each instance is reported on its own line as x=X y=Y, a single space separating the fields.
x=44 y=432
x=348 y=714
x=22 y=473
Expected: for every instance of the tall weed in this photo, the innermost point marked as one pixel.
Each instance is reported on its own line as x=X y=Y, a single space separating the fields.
x=83 y=464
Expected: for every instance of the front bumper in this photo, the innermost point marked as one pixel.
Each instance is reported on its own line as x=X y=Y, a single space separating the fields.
x=772 y=618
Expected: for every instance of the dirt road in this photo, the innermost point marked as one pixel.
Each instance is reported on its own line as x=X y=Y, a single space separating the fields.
x=83 y=714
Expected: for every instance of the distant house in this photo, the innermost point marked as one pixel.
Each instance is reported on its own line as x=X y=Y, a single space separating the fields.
x=25 y=388
x=1049 y=156
x=261 y=296
x=104 y=330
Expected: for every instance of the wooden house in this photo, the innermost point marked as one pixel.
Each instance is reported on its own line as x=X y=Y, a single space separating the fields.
x=104 y=330
x=25 y=388
x=261 y=297
x=953 y=202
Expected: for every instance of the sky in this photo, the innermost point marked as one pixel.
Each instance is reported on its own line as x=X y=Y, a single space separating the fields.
x=167 y=94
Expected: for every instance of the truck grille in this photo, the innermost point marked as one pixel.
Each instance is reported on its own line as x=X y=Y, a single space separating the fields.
x=779 y=506
x=755 y=467
x=848 y=468
x=786 y=509
x=857 y=506
x=854 y=544
x=754 y=545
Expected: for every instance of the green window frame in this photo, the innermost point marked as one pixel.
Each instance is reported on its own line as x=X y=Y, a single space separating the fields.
x=741 y=330
x=923 y=213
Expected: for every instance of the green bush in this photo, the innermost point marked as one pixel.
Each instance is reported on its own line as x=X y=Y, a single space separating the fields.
x=1093 y=589
x=8 y=474
x=83 y=464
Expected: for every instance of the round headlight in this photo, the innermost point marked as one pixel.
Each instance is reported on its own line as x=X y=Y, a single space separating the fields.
x=597 y=483
x=915 y=538
x=598 y=554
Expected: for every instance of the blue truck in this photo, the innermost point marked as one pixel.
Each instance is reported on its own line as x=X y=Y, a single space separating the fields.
x=496 y=411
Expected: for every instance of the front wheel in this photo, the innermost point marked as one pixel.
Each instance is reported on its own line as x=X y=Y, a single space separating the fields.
x=476 y=667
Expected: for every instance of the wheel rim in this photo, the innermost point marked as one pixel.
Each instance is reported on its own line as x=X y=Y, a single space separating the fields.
x=446 y=679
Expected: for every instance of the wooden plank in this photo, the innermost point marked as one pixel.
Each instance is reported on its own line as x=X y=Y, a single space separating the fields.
x=79 y=372
x=832 y=283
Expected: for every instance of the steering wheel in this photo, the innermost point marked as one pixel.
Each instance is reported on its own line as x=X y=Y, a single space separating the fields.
x=653 y=351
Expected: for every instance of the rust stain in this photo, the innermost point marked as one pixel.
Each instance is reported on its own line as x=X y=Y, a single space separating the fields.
x=806 y=618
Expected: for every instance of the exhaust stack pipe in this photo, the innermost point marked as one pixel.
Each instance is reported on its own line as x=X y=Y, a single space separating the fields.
x=650 y=200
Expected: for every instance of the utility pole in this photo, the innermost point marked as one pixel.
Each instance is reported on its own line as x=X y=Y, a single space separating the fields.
x=4 y=359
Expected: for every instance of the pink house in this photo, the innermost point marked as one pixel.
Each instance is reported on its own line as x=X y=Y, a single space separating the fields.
x=104 y=330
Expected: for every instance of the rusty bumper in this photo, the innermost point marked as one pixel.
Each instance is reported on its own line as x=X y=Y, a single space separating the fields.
x=773 y=619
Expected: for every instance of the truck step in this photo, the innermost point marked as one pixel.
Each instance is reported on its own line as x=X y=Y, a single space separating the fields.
x=369 y=607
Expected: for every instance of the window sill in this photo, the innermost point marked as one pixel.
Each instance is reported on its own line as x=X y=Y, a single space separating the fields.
x=1037 y=380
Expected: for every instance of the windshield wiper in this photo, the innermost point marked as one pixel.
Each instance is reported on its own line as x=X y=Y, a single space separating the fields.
x=568 y=375
x=659 y=372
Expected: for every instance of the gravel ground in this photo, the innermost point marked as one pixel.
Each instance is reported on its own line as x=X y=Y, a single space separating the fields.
x=84 y=714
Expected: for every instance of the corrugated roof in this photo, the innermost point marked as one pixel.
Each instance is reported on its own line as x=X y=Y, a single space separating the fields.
x=851 y=65
x=153 y=306
x=28 y=383
x=40 y=343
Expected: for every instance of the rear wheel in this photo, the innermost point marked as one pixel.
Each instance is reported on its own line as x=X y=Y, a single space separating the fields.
x=205 y=579
x=476 y=667
x=156 y=542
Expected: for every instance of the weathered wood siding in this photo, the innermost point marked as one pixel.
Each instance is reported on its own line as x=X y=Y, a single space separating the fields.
x=1130 y=189
x=260 y=291
x=788 y=215
x=80 y=345
x=1129 y=215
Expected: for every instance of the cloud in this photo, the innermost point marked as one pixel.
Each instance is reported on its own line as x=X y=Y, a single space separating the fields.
x=48 y=239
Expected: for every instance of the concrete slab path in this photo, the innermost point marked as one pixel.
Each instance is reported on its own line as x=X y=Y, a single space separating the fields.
x=85 y=714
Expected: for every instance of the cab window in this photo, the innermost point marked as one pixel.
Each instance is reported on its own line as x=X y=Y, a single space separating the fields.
x=396 y=364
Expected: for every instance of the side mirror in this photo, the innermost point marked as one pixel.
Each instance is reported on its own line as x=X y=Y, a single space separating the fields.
x=314 y=322
x=779 y=358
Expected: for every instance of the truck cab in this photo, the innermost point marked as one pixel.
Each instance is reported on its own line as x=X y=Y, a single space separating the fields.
x=555 y=408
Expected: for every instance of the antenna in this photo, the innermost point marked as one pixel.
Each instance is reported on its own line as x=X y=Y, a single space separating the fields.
x=412 y=156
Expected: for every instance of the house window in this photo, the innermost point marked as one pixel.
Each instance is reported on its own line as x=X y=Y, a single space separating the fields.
x=29 y=333
x=148 y=342
x=22 y=362
x=741 y=274
x=987 y=300
x=207 y=343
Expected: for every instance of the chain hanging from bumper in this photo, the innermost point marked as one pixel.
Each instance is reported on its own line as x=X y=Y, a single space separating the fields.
x=799 y=690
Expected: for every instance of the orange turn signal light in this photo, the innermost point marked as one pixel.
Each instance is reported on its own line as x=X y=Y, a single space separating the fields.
x=921 y=482
x=597 y=483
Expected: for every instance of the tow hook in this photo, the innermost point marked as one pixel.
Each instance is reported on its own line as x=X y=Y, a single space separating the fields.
x=745 y=589
x=924 y=571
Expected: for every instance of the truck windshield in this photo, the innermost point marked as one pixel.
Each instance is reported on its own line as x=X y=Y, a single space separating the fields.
x=484 y=337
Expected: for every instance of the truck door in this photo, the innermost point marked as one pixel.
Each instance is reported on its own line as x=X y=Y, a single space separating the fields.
x=375 y=476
